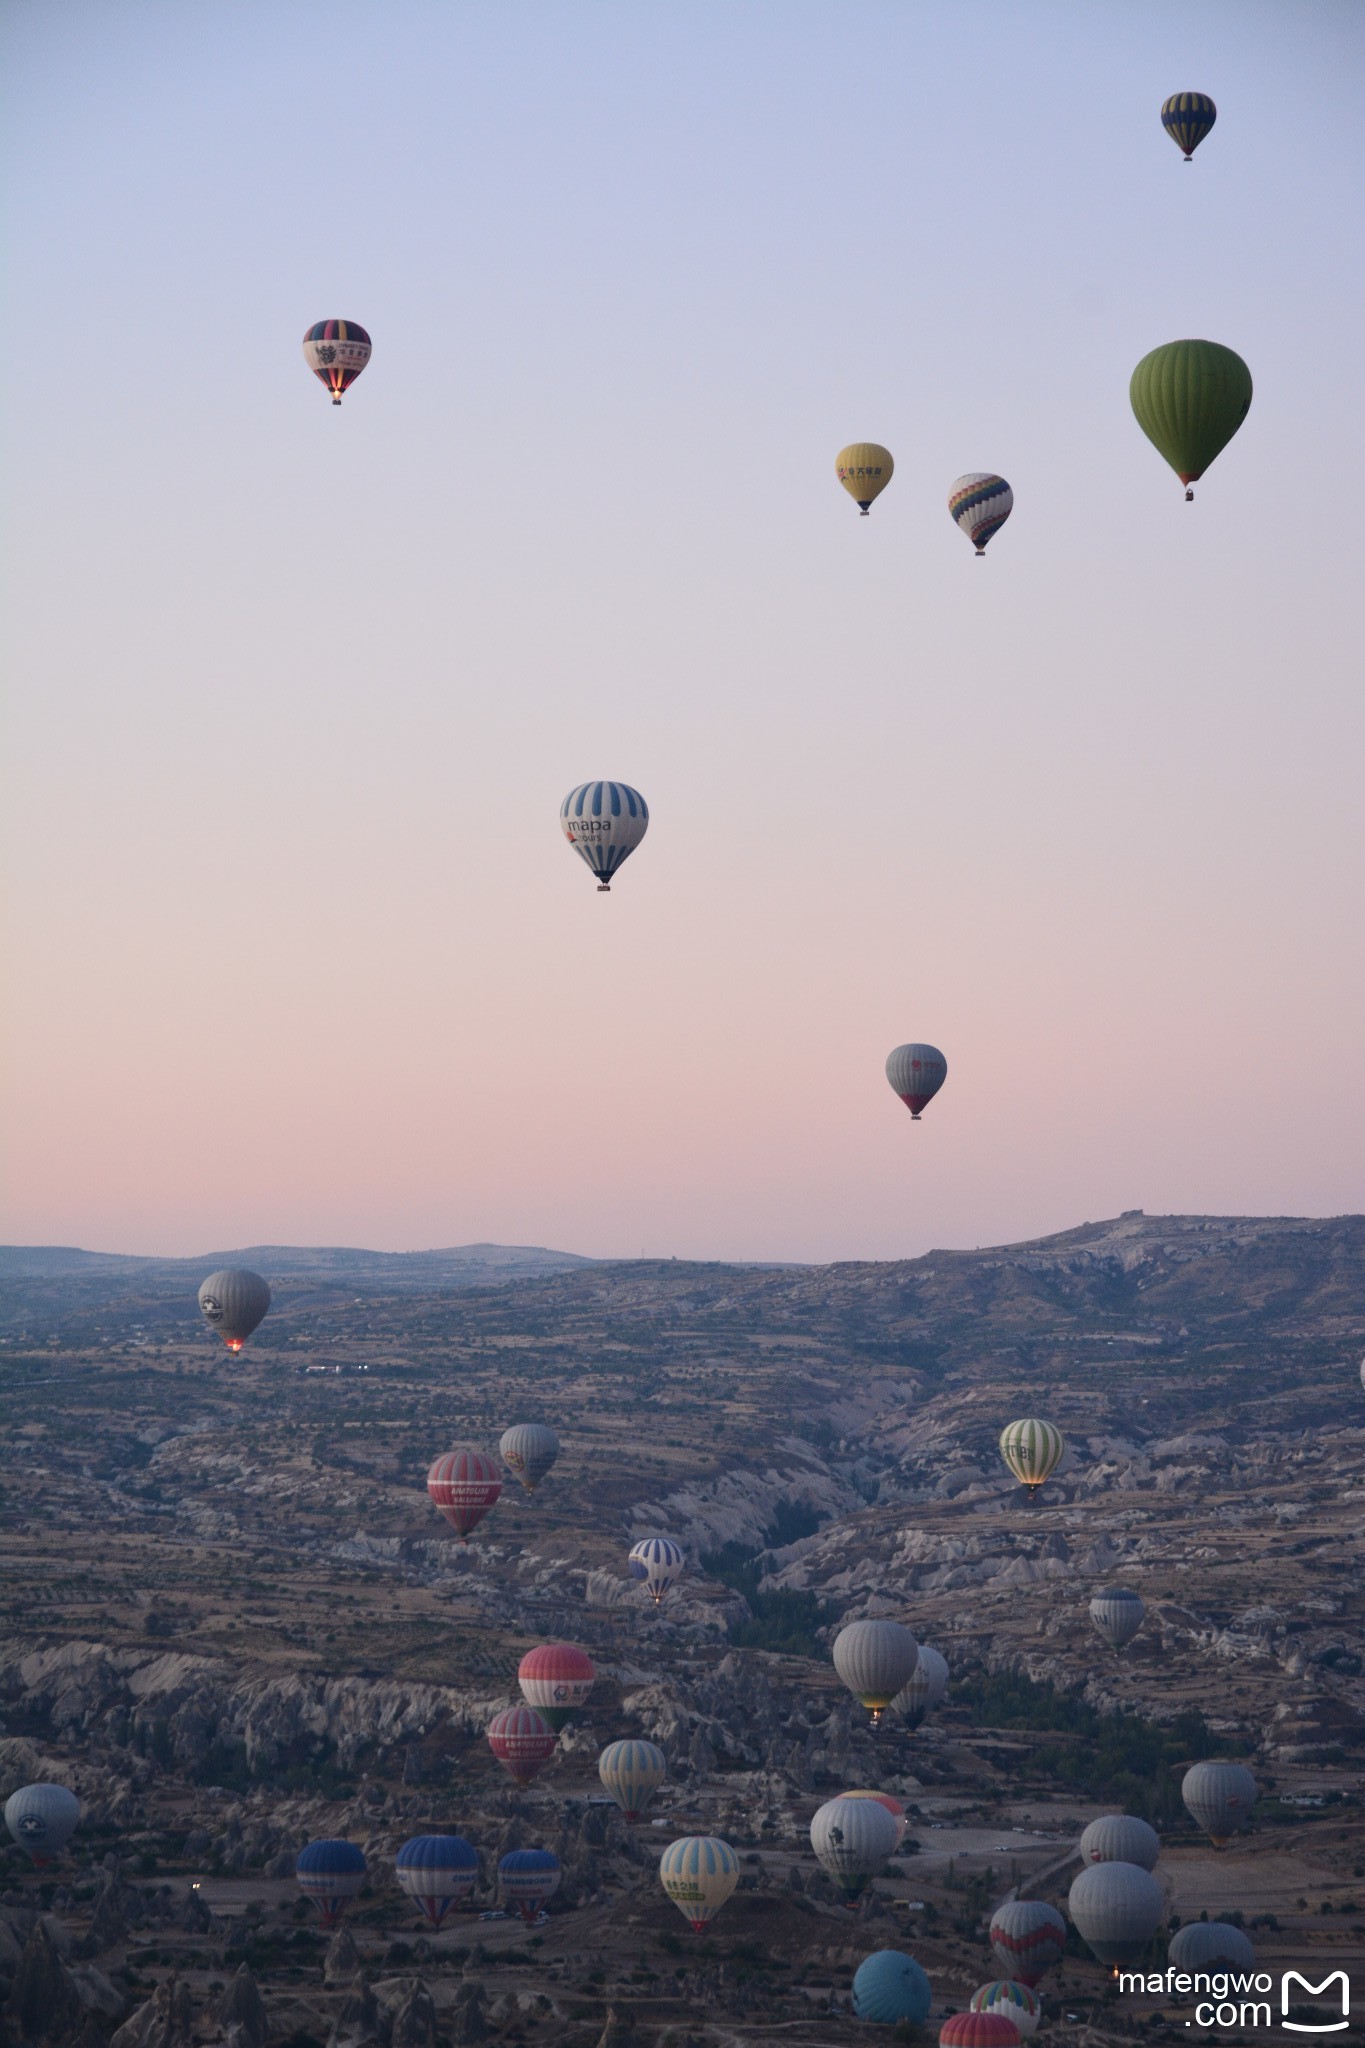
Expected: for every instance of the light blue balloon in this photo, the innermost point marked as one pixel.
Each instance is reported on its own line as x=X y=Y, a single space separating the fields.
x=888 y=1987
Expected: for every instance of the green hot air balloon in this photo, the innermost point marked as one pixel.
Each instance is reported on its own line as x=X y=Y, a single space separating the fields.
x=1189 y=398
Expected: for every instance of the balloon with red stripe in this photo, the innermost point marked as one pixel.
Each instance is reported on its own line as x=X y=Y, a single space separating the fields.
x=464 y=1485
x=522 y=1741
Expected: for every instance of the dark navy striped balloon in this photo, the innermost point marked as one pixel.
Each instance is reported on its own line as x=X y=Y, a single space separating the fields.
x=604 y=822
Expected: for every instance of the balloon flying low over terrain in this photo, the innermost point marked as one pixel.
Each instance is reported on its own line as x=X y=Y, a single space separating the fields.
x=435 y=1871
x=1189 y=398
x=1027 y=1938
x=523 y=1742
x=1117 y=1908
x=658 y=1560
x=890 y=1988
x=336 y=351
x=604 y=822
x=528 y=1450
x=1211 y=1945
x=864 y=469
x=632 y=1771
x=528 y=1877
x=1032 y=1449
x=875 y=1659
x=853 y=1840
x=329 y=1872
x=234 y=1302
x=1014 y=2000
x=1117 y=1613
x=1120 y=1838
x=556 y=1679
x=699 y=1872
x=1219 y=1796
x=42 y=1818
x=924 y=1689
x=464 y=1485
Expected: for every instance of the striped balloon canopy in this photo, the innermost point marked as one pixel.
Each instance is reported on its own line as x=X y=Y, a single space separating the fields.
x=658 y=1560
x=1117 y=1613
x=992 y=2029
x=1032 y=1450
x=556 y=1679
x=1187 y=118
x=1005 y=1995
x=464 y=1485
x=632 y=1772
x=1027 y=1937
x=522 y=1740
x=336 y=351
x=528 y=1877
x=435 y=1871
x=699 y=1873
x=330 y=1872
x=980 y=503
x=604 y=822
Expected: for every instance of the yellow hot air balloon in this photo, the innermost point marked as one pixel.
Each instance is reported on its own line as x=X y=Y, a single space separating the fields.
x=864 y=469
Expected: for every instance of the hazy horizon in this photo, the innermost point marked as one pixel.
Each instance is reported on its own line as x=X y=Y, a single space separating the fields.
x=296 y=951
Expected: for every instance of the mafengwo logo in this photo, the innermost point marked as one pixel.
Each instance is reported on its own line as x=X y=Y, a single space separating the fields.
x=1244 y=1998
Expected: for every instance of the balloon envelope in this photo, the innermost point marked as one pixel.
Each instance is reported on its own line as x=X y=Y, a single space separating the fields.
x=1211 y=1945
x=889 y=1987
x=435 y=1871
x=978 y=2030
x=893 y=1807
x=556 y=1678
x=658 y=1560
x=1189 y=398
x=42 y=1818
x=604 y=822
x=875 y=1659
x=1219 y=1796
x=852 y=1839
x=522 y=1741
x=1027 y=1938
x=336 y=351
x=980 y=503
x=1187 y=118
x=632 y=1771
x=699 y=1873
x=528 y=1877
x=329 y=1872
x=1120 y=1838
x=864 y=469
x=464 y=1485
x=916 y=1073
x=529 y=1449
x=1032 y=1449
x=924 y=1689
x=1117 y=1614
x=1117 y=1908
x=234 y=1302
x=1006 y=1995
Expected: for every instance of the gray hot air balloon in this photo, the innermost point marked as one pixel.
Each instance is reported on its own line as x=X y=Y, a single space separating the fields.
x=42 y=1818
x=234 y=1302
x=1120 y=1838
x=1362 y=1372
x=852 y=1840
x=916 y=1073
x=875 y=1659
x=1117 y=1908
x=925 y=1688
x=529 y=1449
x=1117 y=1614
x=1027 y=1937
x=1219 y=1797
x=1211 y=1945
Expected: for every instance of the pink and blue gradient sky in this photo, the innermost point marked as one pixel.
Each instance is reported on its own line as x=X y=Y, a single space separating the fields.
x=294 y=949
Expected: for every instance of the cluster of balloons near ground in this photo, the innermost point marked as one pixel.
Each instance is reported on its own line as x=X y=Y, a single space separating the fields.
x=436 y=1871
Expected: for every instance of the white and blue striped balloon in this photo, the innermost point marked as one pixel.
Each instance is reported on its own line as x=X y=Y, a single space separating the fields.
x=699 y=1873
x=658 y=1560
x=604 y=822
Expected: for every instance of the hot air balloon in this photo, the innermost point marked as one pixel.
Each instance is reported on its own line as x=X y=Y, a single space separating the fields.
x=604 y=822
x=522 y=1741
x=1032 y=1449
x=1117 y=1908
x=1219 y=1797
x=329 y=1873
x=529 y=1449
x=234 y=1302
x=528 y=1877
x=1211 y=1945
x=556 y=1678
x=1117 y=1614
x=1005 y=1995
x=659 y=1562
x=889 y=1987
x=852 y=1839
x=980 y=503
x=632 y=1771
x=1120 y=1838
x=1187 y=118
x=42 y=1819
x=978 y=2030
x=464 y=1485
x=875 y=1659
x=924 y=1689
x=1027 y=1938
x=435 y=1871
x=699 y=1873
x=336 y=351
x=893 y=1807
x=1189 y=398
x=864 y=469
x=1362 y=1372
x=916 y=1073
